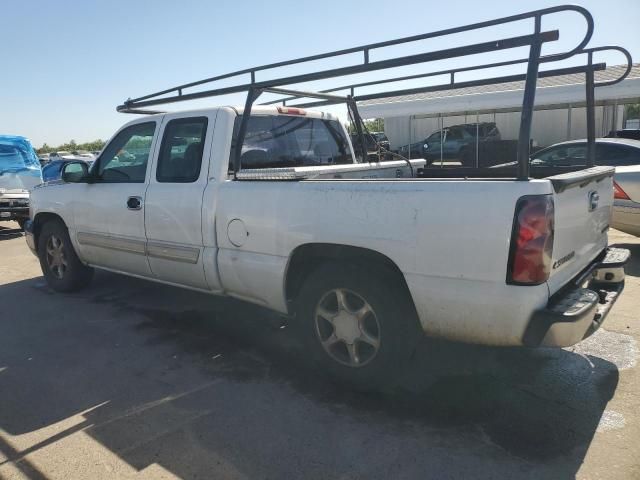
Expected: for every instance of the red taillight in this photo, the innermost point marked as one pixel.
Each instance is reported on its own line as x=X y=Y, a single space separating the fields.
x=292 y=111
x=619 y=193
x=531 y=241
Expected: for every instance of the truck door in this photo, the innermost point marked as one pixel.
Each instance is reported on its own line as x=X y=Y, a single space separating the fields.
x=173 y=208
x=109 y=212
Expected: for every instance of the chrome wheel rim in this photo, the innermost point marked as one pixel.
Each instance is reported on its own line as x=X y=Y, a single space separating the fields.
x=347 y=327
x=56 y=260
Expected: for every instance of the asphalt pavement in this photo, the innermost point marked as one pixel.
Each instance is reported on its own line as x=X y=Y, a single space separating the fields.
x=131 y=379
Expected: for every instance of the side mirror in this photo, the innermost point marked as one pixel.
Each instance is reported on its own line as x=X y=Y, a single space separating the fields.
x=75 y=172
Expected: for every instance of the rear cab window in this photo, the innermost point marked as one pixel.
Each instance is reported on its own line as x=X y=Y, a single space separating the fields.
x=180 y=158
x=282 y=141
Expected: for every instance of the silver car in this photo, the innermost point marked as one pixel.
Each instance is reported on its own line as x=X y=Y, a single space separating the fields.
x=622 y=153
x=626 y=200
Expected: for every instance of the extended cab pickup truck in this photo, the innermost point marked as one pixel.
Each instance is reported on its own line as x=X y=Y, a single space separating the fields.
x=358 y=260
x=269 y=205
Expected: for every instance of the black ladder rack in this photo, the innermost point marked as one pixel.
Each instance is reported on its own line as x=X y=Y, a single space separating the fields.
x=534 y=41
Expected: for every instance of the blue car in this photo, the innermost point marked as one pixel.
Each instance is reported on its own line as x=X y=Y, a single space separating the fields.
x=53 y=170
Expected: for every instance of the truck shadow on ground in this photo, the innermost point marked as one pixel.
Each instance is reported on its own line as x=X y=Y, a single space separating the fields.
x=199 y=385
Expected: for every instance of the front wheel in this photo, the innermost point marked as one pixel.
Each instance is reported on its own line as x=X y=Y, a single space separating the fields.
x=357 y=327
x=62 y=269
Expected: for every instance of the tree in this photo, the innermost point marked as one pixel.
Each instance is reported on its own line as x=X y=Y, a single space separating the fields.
x=375 y=125
x=633 y=110
x=72 y=146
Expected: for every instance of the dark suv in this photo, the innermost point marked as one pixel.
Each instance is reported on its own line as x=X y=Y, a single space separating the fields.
x=458 y=141
x=377 y=144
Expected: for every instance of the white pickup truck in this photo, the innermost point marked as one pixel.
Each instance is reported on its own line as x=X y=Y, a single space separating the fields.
x=268 y=205
x=356 y=258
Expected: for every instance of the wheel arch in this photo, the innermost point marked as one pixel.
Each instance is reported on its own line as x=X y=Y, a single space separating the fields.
x=308 y=257
x=40 y=219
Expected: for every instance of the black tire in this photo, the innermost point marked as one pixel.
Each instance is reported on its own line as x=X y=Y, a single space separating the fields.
x=395 y=318
x=62 y=269
x=21 y=222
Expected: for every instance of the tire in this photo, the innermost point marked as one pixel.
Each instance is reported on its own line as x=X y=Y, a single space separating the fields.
x=368 y=352
x=21 y=222
x=62 y=269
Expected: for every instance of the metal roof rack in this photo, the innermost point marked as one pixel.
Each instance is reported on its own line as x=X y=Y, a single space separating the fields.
x=534 y=41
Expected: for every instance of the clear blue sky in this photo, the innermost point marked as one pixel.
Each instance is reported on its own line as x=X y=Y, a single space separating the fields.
x=67 y=64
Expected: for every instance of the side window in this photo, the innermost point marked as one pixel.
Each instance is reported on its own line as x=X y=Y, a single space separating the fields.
x=454 y=134
x=564 y=155
x=435 y=137
x=125 y=159
x=616 y=155
x=180 y=156
x=288 y=141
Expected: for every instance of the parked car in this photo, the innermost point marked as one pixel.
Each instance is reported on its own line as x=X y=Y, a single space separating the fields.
x=19 y=172
x=461 y=142
x=364 y=273
x=53 y=170
x=62 y=154
x=626 y=200
x=43 y=158
x=624 y=154
x=614 y=152
x=414 y=150
x=456 y=138
x=83 y=155
x=377 y=145
x=631 y=133
x=382 y=139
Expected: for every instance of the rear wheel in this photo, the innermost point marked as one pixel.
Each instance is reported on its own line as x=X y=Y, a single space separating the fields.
x=62 y=269
x=357 y=327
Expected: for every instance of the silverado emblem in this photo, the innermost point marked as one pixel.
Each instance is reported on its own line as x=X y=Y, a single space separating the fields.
x=594 y=198
x=563 y=260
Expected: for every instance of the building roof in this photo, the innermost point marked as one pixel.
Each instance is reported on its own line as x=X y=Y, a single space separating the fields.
x=501 y=91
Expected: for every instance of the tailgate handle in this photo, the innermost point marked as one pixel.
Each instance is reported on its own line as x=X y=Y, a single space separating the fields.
x=594 y=198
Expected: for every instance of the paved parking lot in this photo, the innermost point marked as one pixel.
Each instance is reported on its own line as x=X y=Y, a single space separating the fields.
x=129 y=379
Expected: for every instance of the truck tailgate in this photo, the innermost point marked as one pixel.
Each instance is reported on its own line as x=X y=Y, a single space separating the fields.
x=582 y=204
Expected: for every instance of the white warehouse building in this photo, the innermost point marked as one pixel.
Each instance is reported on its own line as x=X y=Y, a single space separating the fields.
x=560 y=108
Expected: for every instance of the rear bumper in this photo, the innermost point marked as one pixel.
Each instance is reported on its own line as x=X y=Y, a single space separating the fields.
x=579 y=309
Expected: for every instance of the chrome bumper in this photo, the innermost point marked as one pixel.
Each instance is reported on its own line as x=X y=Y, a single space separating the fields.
x=574 y=313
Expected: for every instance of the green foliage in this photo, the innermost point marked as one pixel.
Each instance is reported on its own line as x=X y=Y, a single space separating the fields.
x=72 y=146
x=376 y=125
x=633 y=110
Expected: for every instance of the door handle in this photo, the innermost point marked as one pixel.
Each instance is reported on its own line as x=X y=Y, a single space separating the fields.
x=134 y=203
